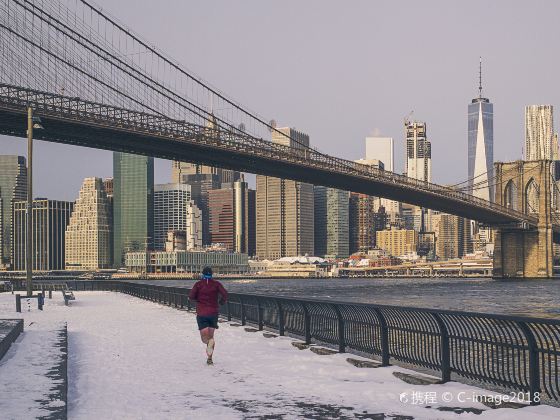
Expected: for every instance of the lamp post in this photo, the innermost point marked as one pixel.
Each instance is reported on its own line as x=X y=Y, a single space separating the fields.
x=29 y=233
x=32 y=122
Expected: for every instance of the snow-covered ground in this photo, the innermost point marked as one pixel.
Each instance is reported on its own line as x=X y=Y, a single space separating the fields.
x=133 y=359
x=29 y=379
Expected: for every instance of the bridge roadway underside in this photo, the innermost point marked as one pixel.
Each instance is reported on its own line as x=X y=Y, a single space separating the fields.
x=98 y=136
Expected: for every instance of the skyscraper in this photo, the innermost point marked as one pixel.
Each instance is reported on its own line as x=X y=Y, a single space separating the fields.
x=50 y=219
x=88 y=233
x=180 y=170
x=539 y=132
x=361 y=223
x=452 y=236
x=229 y=216
x=108 y=184
x=418 y=151
x=331 y=222
x=481 y=145
x=194 y=227
x=381 y=148
x=224 y=176
x=412 y=217
x=13 y=187
x=284 y=208
x=133 y=204
x=397 y=242
x=200 y=185
x=173 y=211
x=252 y=222
x=419 y=161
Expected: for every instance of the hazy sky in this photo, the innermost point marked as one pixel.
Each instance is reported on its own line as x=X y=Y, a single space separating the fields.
x=341 y=70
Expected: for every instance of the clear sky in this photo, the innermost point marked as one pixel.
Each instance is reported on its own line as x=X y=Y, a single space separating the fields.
x=342 y=70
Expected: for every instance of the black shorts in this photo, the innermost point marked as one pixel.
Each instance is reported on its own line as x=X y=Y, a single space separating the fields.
x=207 y=321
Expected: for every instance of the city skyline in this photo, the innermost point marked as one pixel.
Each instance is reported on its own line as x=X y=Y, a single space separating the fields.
x=247 y=187
x=379 y=96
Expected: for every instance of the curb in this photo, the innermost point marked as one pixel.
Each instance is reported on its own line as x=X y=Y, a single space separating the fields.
x=12 y=336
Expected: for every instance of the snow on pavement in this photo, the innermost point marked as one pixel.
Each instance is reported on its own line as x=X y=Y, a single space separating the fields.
x=28 y=383
x=133 y=359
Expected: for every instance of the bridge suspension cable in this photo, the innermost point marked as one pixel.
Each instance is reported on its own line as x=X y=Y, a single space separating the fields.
x=69 y=57
x=74 y=48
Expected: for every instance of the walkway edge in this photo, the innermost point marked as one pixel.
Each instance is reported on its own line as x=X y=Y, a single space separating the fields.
x=12 y=336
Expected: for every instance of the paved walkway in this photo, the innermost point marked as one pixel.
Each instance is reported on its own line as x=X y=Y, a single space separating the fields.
x=129 y=358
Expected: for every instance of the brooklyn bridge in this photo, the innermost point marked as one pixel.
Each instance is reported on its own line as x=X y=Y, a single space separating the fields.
x=93 y=82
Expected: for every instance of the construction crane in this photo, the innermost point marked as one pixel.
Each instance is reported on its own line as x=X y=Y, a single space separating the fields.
x=407 y=118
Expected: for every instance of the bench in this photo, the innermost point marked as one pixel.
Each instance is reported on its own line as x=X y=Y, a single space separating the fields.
x=68 y=296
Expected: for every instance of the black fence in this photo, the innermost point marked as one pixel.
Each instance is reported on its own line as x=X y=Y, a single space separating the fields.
x=515 y=353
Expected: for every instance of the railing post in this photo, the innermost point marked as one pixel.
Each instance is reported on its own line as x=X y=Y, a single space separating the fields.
x=243 y=321
x=341 y=341
x=444 y=349
x=280 y=318
x=18 y=302
x=40 y=300
x=385 y=355
x=228 y=310
x=306 y=323
x=534 y=373
x=260 y=315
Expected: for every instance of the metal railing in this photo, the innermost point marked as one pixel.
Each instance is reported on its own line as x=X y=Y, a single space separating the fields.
x=514 y=353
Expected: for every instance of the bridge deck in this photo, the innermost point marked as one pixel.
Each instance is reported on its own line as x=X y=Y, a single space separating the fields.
x=74 y=121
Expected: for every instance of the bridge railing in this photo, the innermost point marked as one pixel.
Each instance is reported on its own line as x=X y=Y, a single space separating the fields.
x=513 y=353
x=157 y=125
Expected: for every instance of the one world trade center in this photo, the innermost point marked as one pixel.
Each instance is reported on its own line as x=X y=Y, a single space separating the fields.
x=481 y=145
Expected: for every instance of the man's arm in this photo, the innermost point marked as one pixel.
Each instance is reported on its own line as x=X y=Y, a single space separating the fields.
x=223 y=294
x=193 y=294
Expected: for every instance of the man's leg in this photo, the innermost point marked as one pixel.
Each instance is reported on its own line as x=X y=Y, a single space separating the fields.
x=205 y=334
x=210 y=346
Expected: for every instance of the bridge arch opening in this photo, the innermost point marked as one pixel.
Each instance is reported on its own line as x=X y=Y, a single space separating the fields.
x=532 y=197
x=510 y=194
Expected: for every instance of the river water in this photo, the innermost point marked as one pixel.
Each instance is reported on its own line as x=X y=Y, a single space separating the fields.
x=536 y=298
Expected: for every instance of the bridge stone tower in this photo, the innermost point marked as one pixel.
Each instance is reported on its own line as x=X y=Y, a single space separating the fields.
x=521 y=252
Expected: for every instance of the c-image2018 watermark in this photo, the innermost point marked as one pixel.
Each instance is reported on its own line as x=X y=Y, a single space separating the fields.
x=433 y=397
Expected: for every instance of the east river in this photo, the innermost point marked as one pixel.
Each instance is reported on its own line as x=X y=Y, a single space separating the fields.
x=537 y=298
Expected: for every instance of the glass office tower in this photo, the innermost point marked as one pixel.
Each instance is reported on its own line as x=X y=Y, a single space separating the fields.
x=50 y=219
x=481 y=145
x=13 y=187
x=133 y=204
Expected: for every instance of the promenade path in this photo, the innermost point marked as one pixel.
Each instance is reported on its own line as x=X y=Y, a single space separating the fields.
x=133 y=359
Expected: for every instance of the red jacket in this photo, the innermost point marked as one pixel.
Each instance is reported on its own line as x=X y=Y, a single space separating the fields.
x=206 y=294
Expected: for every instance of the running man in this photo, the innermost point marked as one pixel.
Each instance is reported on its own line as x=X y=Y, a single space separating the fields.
x=206 y=293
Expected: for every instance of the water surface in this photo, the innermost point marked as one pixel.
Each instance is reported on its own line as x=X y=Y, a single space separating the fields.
x=537 y=298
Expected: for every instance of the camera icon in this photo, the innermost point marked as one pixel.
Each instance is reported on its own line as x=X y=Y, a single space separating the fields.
x=403 y=397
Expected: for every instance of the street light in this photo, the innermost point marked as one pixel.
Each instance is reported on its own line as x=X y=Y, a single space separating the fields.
x=32 y=122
